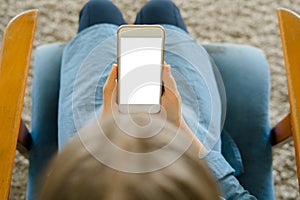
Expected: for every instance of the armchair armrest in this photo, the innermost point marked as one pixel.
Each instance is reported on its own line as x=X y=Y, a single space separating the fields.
x=282 y=132
x=289 y=26
x=24 y=140
x=15 y=56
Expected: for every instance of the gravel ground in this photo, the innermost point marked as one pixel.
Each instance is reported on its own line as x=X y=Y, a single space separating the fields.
x=229 y=21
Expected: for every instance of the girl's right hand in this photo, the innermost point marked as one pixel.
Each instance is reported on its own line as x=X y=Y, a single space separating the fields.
x=170 y=99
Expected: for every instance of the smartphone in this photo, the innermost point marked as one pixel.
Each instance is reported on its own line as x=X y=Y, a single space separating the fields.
x=140 y=56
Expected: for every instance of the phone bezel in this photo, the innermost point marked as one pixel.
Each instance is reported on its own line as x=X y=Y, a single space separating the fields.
x=139 y=31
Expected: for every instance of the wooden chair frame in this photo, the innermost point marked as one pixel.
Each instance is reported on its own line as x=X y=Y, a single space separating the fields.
x=289 y=25
x=14 y=64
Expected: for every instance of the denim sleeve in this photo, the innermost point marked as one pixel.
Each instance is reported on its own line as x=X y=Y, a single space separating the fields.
x=229 y=185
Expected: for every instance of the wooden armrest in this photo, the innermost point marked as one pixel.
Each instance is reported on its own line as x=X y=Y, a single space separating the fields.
x=289 y=25
x=282 y=132
x=15 y=57
x=24 y=140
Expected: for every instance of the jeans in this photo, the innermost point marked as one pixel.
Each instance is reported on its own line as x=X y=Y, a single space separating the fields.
x=154 y=12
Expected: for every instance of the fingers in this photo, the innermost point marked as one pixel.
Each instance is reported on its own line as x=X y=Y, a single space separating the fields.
x=171 y=95
x=110 y=85
x=110 y=92
x=170 y=99
x=114 y=94
x=169 y=82
x=110 y=81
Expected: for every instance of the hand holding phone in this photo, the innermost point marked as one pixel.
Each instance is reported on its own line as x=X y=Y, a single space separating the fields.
x=140 y=58
x=170 y=99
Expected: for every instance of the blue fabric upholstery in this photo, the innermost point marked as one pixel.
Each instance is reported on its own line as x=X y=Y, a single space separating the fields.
x=244 y=71
x=45 y=90
x=245 y=74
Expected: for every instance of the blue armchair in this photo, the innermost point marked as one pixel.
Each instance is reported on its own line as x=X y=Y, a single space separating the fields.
x=245 y=74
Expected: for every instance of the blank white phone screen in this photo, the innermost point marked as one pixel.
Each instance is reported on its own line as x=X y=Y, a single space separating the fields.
x=140 y=70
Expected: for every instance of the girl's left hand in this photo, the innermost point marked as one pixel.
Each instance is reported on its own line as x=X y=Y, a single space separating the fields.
x=109 y=104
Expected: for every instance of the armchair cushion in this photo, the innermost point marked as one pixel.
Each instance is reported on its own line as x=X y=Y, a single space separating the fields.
x=245 y=74
x=45 y=90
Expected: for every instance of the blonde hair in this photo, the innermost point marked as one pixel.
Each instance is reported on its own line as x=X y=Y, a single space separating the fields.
x=78 y=173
